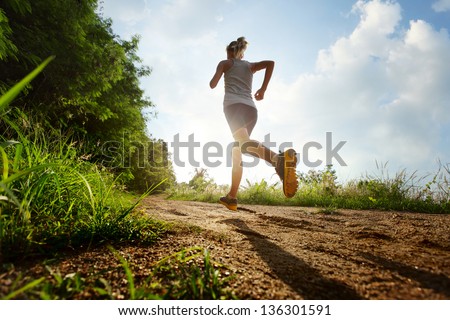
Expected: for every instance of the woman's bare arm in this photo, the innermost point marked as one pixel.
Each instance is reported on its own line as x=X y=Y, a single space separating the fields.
x=268 y=66
x=222 y=67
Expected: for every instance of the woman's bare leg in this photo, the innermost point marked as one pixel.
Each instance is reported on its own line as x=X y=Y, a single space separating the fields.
x=236 y=172
x=251 y=147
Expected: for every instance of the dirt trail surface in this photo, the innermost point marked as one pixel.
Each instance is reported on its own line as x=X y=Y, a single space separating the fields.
x=278 y=252
x=305 y=253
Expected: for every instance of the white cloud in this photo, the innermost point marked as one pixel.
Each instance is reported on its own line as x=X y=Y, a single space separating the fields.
x=130 y=12
x=441 y=6
x=381 y=88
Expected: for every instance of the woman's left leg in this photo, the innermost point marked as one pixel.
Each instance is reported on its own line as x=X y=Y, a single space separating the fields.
x=236 y=171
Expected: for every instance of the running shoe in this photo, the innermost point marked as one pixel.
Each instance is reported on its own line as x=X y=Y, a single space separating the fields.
x=231 y=204
x=286 y=170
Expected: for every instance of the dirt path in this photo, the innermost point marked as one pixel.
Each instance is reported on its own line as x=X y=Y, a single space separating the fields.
x=302 y=253
x=277 y=253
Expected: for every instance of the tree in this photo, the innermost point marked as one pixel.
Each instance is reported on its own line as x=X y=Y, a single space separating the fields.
x=7 y=48
x=91 y=87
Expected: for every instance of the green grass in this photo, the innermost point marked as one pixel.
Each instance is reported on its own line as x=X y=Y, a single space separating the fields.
x=51 y=199
x=401 y=192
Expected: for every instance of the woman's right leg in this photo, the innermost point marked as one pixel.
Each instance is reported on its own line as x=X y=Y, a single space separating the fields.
x=253 y=147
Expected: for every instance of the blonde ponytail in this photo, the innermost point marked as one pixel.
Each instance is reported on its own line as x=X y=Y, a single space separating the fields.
x=238 y=47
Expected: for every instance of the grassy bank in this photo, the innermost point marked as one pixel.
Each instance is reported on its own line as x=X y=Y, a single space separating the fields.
x=52 y=202
x=51 y=198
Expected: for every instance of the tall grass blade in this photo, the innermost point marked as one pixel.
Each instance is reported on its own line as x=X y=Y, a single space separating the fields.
x=128 y=272
x=91 y=194
x=7 y=143
x=5 y=162
x=132 y=207
x=10 y=196
x=25 y=172
x=17 y=156
x=23 y=289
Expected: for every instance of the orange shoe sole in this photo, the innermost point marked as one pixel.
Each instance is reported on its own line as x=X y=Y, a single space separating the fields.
x=230 y=206
x=290 y=180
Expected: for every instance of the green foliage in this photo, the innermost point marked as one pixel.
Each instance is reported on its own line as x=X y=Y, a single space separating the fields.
x=325 y=181
x=94 y=77
x=147 y=164
x=52 y=199
x=403 y=192
x=90 y=89
x=7 y=48
x=200 y=181
x=257 y=193
x=200 y=188
x=14 y=91
x=62 y=287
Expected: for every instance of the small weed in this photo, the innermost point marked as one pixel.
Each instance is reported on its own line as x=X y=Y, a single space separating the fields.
x=328 y=210
x=191 y=274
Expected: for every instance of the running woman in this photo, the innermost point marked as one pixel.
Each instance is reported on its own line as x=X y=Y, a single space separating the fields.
x=241 y=114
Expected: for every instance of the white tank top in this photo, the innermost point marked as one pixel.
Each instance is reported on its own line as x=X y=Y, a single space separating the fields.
x=238 y=84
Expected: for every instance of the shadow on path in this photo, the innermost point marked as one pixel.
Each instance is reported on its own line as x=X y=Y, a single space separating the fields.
x=437 y=282
x=296 y=273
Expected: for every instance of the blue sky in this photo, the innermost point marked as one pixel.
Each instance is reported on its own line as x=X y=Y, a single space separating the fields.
x=373 y=73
